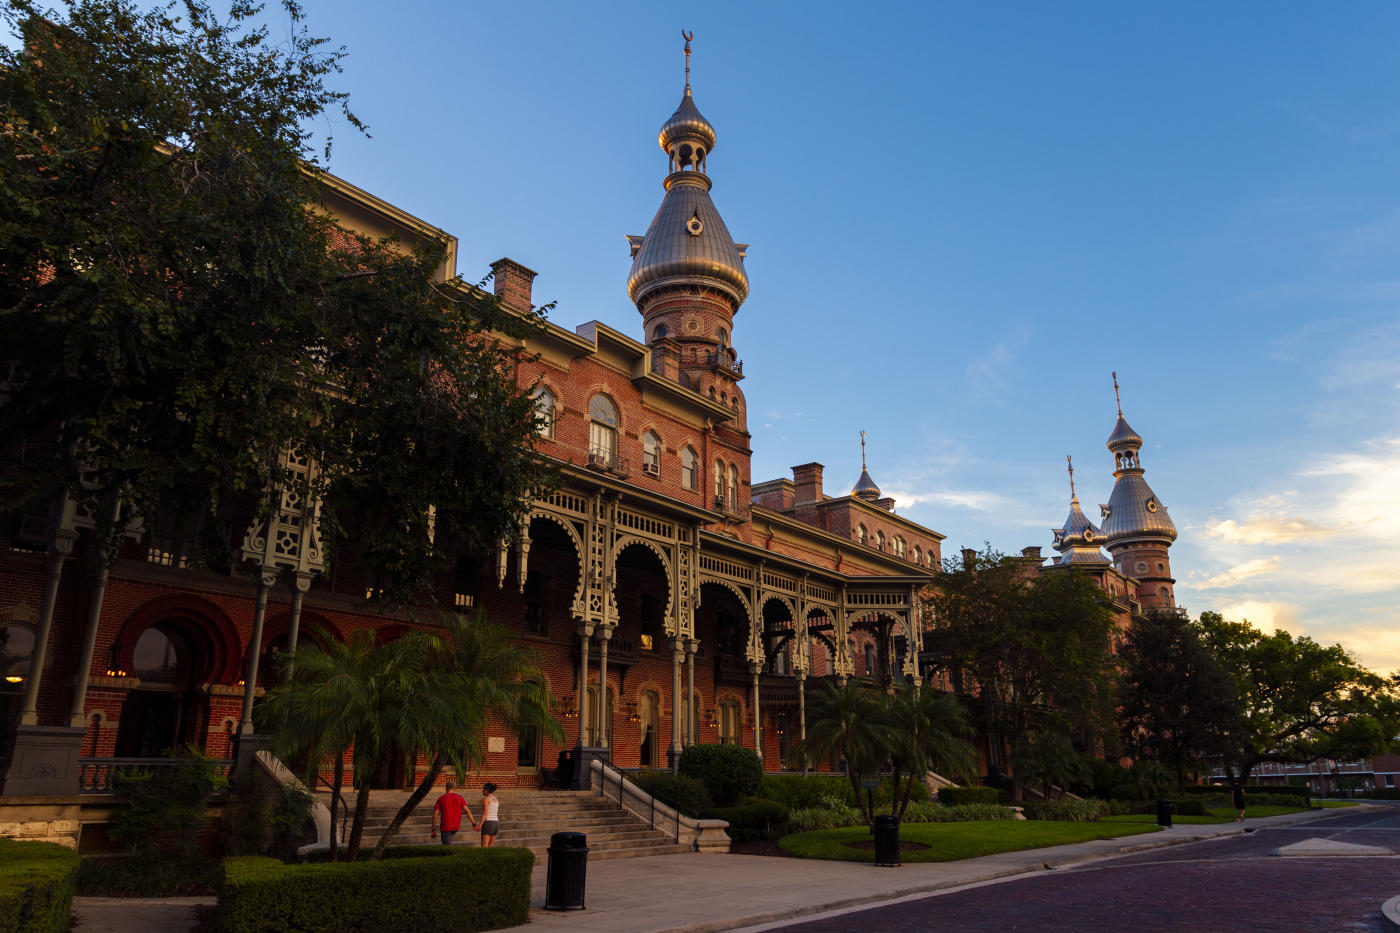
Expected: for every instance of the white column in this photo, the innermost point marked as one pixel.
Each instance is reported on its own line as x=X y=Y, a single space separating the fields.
x=59 y=549
x=585 y=632
x=754 y=668
x=604 y=713
x=250 y=683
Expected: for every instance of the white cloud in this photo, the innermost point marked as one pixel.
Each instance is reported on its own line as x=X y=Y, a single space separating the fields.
x=1239 y=572
x=1265 y=529
x=1266 y=616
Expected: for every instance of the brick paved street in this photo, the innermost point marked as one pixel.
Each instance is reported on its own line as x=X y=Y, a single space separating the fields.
x=1221 y=885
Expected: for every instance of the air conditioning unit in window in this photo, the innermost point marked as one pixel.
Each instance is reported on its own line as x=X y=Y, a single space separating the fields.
x=599 y=460
x=651 y=469
x=719 y=503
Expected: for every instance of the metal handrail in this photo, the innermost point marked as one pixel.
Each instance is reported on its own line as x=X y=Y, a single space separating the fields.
x=652 y=798
x=344 y=805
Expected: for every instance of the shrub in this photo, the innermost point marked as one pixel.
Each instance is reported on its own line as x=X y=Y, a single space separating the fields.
x=1068 y=811
x=36 y=885
x=686 y=794
x=957 y=796
x=1300 y=795
x=150 y=875
x=806 y=792
x=419 y=889
x=755 y=818
x=925 y=811
x=729 y=772
x=972 y=812
x=834 y=815
x=166 y=807
x=1385 y=793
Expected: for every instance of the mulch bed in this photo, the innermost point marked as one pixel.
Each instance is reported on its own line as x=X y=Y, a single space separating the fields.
x=759 y=847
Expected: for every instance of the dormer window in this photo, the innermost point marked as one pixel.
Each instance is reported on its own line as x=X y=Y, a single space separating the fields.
x=879 y=540
x=861 y=534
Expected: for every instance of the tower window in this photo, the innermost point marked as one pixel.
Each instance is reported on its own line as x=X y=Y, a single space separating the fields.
x=733 y=488
x=661 y=331
x=879 y=540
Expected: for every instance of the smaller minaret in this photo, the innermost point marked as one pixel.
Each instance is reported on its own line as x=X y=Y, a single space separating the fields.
x=865 y=487
x=1138 y=529
x=1078 y=541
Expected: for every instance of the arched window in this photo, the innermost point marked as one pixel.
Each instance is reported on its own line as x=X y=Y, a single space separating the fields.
x=918 y=555
x=537 y=603
x=898 y=546
x=650 y=712
x=879 y=540
x=869 y=660
x=729 y=722
x=545 y=405
x=723 y=338
x=602 y=432
x=600 y=720
x=733 y=488
x=527 y=748
x=688 y=464
x=651 y=453
x=860 y=533
x=719 y=484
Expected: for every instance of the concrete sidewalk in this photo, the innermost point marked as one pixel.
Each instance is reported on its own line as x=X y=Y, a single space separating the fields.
x=697 y=893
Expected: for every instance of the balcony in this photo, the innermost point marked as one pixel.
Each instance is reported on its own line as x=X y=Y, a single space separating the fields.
x=605 y=461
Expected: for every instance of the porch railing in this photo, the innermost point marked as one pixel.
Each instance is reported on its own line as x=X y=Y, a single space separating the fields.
x=95 y=774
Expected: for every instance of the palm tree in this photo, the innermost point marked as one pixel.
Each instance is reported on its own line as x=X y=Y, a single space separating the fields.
x=849 y=720
x=927 y=732
x=474 y=675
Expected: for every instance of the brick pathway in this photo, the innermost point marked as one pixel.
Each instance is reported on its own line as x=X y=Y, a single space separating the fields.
x=1219 y=886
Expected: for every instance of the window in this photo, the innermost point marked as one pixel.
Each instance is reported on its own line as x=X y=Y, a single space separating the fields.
x=602 y=432
x=733 y=488
x=898 y=546
x=860 y=533
x=918 y=555
x=599 y=720
x=869 y=660
x=537 y=604
x=661 y=331
x=527 y=749
x=545 y=405
x=651 y=453
x=651 y=621
x=723 y=338
x=650 y=711
x=879 y=540
x=729 y=722
x=719 y=483
x=688 y=464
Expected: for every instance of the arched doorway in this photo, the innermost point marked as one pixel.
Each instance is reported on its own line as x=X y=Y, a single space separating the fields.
x=551 y=581
x=170 y=658
x=650 y=712
x=642 y=593
x=16 y=651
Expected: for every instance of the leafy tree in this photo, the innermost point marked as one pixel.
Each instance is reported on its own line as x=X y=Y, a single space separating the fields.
x=179 y=308
x=927 y=731
x=1176 y=704
x=425 y=694
x=1049 y=759
x=1033 y=648
x=1299 y=701
x=850 y=721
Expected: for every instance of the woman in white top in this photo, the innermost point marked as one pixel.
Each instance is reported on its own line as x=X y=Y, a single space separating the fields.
x=490 y=807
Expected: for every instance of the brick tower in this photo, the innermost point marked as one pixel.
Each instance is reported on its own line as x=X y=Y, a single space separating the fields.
x=1136 y=524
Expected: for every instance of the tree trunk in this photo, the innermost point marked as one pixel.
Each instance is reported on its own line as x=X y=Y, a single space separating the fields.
x=410 y=804
x=337 y=775
x=357 y=826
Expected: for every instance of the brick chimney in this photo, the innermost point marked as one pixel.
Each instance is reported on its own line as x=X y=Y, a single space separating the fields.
x=969 y=556
x=513 y=282
x=1031 y=553
x=808 y=480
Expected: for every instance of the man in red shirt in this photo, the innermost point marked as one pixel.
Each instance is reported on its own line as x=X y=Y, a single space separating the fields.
x=451 y=806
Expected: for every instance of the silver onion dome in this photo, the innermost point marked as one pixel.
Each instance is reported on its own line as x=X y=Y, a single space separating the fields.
x=1079 y=540
x=1123 y=436
x=865 y=487
x=688 y=244
x=687 y=124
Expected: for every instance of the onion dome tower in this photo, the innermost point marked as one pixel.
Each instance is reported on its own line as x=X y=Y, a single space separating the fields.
x=1078 y=541
x=865 y=487
x=688 y=277
x=1135 y=522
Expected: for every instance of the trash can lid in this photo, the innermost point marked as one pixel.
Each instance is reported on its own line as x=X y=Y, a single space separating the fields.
x=569 y=840
x=886 y=820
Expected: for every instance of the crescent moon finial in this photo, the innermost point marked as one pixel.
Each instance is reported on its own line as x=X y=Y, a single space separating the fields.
x=687 y=36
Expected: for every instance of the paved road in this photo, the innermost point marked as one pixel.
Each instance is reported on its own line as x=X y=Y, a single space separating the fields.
x=1218 y=886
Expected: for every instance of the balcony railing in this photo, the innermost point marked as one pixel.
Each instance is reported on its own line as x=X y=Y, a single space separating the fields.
x=95 y=774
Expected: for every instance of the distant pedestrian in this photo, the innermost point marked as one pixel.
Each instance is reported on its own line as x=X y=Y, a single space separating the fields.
x=451 y=806
x=490 y=809
x=1237 y=792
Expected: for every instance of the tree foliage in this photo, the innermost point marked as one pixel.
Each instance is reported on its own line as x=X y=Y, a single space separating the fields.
x=179 y=307
x=424 y=694
x=1033 y=648
x=1299 y=701
x=1177 y=705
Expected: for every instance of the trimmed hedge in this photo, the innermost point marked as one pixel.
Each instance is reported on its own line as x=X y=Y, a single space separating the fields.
x=686 y=793
x=1300 y=791
x=960 y=796
x=1068 y=811
x=755 y=818
x=1383 y=793
x=803 y=792
x=36 y=885
x=419 y=889
x=729 y=772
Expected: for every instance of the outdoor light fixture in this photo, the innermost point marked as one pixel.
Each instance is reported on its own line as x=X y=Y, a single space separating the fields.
x=112 y=669
x=632 y=714
x=567 y=709
x=712 y=718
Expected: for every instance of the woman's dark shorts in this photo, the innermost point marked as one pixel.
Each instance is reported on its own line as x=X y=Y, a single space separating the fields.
x=490 y=827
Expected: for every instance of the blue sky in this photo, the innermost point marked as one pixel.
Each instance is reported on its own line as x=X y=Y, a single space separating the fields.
x=962 y=218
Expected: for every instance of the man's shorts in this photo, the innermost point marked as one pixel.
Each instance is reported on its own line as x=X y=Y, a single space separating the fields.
x=490 y=827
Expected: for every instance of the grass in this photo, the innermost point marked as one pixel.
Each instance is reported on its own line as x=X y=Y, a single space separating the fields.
x=1225 y=814
x=1334 y=804
x=950 y=842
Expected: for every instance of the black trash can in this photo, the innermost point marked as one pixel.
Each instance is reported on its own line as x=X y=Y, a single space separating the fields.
x=887 y=841
x=1164 y=813
x=568 y=867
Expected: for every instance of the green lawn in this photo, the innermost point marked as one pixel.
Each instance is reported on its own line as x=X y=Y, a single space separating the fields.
x=1334 y=804
x=1223 y=814
x=949 y=842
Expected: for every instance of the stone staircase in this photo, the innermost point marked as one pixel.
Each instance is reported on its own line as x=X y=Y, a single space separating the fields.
x=528 y=819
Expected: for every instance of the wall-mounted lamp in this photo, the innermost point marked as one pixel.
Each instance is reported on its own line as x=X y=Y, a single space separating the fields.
x=112 y=669
x=632 y=714
x=568 y=708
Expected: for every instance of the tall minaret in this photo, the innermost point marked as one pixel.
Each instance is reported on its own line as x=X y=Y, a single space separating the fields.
x=1137 y=525
x=688 y=277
